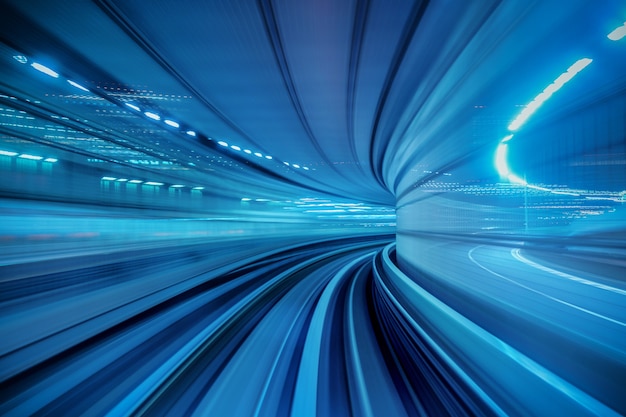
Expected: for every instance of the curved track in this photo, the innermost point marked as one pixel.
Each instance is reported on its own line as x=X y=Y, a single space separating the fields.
x=327 y=328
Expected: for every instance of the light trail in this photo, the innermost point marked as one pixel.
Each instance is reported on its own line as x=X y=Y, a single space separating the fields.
x=558 y=300
x=517 y=255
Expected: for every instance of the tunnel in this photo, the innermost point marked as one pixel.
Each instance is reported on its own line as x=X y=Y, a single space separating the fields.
x=312 y=208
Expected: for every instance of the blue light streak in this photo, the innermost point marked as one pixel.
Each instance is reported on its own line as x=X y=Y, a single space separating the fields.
x=555 y=86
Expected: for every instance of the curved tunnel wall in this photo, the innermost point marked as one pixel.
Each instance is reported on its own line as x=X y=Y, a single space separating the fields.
x=147 y=268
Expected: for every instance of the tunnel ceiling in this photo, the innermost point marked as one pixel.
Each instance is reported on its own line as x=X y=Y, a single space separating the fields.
x=359 y=99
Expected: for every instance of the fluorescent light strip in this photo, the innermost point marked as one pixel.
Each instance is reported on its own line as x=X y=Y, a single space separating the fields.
x=132 y=106
x=75 y=84
x=8 y=153
x=501 y=151
x=547 y=93
x=153 y=183
x=501 y=163
x=191 y=133
x=108 y=178
x=172 y=123
x=50 y=160
x=44 y=69
x=32 y=157
x=618 y=33
x=152 y=115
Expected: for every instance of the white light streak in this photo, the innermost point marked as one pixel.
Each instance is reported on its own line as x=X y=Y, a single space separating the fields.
x=618 y=33
x=44 y=69
x=75 y=84
x=152 y=115
x=31 y=157
x=132 y=106
x=556 y=85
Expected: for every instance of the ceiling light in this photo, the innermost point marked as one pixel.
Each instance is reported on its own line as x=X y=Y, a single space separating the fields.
x=176 y=186
x=153 y=183
x=222 y=143
x=32 y=157
x=295 y=165
x=135 y=181
x=75 y=84
x=50 y=160
x=268 y=157
x=44 y=69
x=555 y=86
x=132 y=106
x=108 y=178
x=618 y=33
x=235 y=147
x=259 y=154
x=171 y=123
x=191 y=133
x=8 y=153
x=152 y=115
x=248 y=151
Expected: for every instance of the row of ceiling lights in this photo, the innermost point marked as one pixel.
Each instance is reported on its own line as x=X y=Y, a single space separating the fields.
x=257 y=154
x=150 y=183
x=149 y=114
x=28 y=156
x=501 y=158
x=152 y=115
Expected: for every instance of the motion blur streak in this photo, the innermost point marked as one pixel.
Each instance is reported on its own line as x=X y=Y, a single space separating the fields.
x=312 y=208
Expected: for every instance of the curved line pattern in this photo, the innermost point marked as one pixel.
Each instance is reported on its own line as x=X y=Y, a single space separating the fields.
x=118 y=16
x=273 y=32
x=358 y=32
x=331 y=328
x=417 y=12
